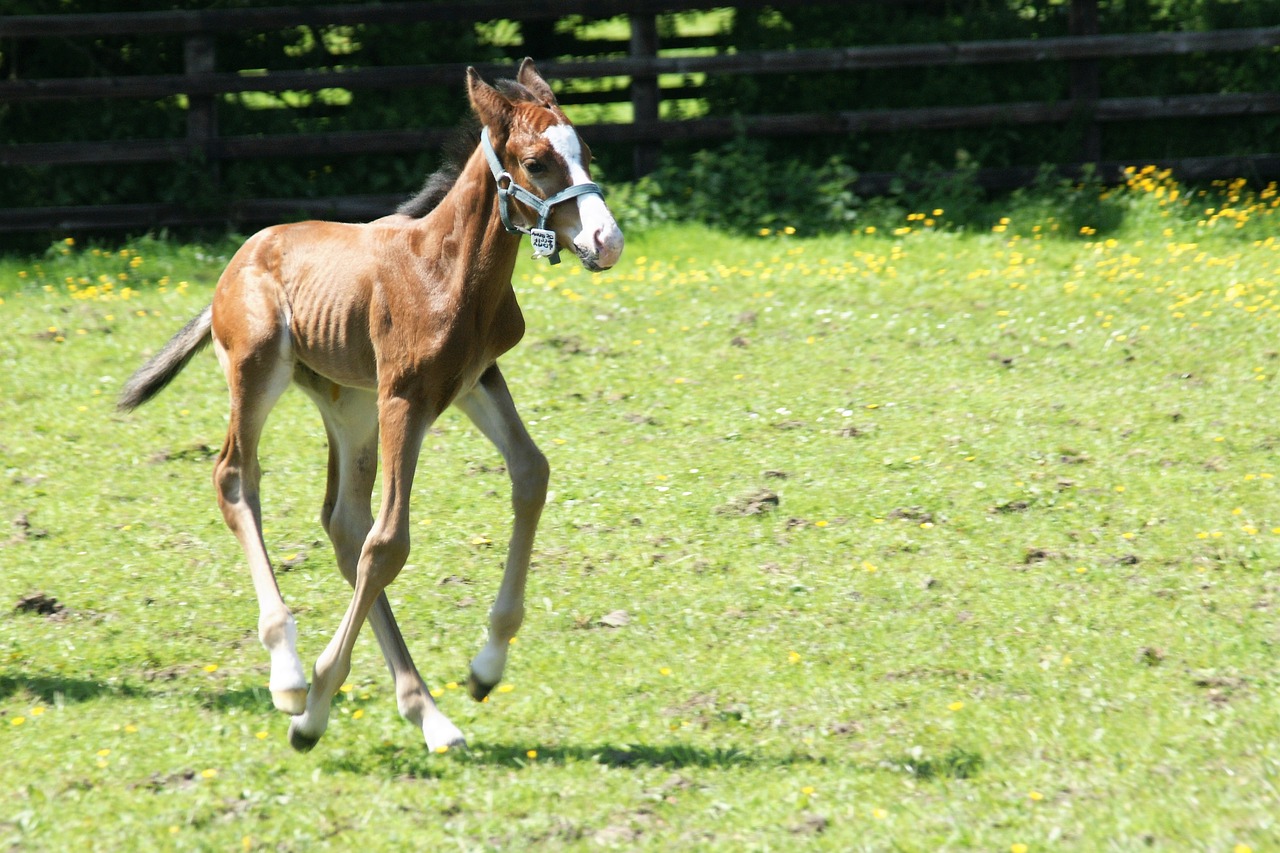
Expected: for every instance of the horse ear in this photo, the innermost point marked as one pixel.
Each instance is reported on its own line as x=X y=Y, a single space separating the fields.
x=529 y=77
x=490 y=105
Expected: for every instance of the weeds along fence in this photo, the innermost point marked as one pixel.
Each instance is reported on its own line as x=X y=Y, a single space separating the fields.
x=640 y=76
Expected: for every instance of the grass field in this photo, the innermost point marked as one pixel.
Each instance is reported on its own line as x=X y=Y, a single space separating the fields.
x=913 y=539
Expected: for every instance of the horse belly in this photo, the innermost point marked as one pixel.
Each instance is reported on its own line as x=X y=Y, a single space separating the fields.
x=329 y=325
x=336 y=346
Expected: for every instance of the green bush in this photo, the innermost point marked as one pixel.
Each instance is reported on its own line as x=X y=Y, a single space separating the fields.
x=877 y=24
x=743 y=185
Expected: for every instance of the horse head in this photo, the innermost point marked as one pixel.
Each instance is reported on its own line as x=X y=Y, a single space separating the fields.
x=541 y=165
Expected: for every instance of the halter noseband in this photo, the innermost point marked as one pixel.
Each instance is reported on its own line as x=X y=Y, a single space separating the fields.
x=544 y=241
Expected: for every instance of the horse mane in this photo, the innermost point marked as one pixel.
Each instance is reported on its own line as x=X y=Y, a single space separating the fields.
x=456 y=151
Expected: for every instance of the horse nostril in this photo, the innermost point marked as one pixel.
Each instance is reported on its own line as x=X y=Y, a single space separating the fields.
x=593 y=243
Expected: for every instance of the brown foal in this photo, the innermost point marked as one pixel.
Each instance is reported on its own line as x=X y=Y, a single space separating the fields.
x=383 y=325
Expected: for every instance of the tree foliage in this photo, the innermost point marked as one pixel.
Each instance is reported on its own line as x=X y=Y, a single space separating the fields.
x=812 y=168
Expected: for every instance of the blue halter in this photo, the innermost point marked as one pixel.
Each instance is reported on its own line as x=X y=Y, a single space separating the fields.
x=544 y=240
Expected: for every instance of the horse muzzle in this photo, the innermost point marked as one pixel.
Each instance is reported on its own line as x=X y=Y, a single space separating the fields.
x=599 y=248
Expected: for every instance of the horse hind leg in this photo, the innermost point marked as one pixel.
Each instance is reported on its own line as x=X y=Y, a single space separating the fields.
x=402 y=423
x=256 y=380
x=412 y=697
x=351 y=422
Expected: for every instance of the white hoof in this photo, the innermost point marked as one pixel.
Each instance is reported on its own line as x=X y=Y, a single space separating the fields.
x=442 y=735
x=292 y=702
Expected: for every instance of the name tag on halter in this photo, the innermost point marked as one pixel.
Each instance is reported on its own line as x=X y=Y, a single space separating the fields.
x=544 y=242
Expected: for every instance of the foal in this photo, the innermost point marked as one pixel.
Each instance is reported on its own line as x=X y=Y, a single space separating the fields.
x=384 y=325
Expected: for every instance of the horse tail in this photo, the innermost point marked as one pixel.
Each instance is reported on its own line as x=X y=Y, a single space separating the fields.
x=152 y=377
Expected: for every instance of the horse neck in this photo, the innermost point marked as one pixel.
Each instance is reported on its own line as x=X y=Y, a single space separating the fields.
x=480 y=255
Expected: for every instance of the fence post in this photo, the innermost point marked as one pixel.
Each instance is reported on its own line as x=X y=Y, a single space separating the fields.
x=202 y=113
x=644 y=91
x=1086 y=85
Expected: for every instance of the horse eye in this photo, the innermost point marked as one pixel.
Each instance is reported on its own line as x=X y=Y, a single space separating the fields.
x=533 y=167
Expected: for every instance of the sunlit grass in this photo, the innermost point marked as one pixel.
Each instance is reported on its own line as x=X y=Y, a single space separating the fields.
x=1015 y=588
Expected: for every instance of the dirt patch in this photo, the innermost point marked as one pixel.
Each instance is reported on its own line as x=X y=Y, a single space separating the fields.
x=40 y=604
x=703 y=709
x=755 y=502
x=616 y=619
x=169 y=673
x=1151 y=655
x=158 y=782
x=617 y=835
x=192 y=453
x=810 y=824
x=911 y=513
x=23 y=531
x=292 y=560
x=570 y=345
x=1220 y=689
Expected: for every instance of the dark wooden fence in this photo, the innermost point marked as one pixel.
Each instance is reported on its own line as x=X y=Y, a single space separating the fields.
x=644 y=61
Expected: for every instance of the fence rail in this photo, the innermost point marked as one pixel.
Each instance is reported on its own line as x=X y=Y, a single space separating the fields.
x=643 y=65
x=207 y=22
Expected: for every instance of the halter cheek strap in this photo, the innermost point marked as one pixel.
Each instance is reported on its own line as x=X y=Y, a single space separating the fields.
x=544 y=240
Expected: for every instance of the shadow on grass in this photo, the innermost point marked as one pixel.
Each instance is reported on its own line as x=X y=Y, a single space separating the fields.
x=416 y=763
x=244 y=699
x=956 y=763
x=672 y=756
x=56 y=688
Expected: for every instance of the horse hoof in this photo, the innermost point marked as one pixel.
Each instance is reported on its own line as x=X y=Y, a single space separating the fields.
x=442 y=735
x=292 y=702
x=477 y=688
x=455 y=743
x=301 y=741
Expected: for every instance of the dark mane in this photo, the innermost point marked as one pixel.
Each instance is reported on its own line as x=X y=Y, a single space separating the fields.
x=516 y=92
x=456 y=151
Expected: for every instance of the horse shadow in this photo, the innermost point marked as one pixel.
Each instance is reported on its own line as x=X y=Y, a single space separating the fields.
x=413 y=762
x=252 y=699
x=58 y=689
x=53 y=689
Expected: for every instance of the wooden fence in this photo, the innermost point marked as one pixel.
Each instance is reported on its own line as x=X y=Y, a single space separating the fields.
x=646 y=58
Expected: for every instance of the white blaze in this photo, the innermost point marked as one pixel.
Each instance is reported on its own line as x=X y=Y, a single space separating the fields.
x=600 y=237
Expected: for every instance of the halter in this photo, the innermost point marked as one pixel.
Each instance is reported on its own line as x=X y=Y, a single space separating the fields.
x=544 y=240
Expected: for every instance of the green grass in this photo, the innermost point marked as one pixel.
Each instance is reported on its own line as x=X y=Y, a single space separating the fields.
x=1020 y=587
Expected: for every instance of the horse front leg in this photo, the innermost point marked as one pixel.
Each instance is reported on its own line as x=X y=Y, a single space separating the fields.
x=490 y=407
x=351 y=421
x=383 y=554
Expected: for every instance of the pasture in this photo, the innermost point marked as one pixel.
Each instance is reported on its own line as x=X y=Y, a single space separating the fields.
x=912 y=538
